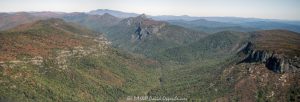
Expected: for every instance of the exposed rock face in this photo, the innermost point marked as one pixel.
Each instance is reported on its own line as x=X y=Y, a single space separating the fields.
x=141 y=32
x=144 y=26
x=147 y=27
x=278 y=63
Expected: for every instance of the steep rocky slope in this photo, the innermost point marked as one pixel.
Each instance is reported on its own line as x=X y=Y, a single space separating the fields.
x=279 y=50
x=268 y=69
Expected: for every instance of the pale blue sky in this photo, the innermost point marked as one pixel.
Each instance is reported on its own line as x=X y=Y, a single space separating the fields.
x=274 y=9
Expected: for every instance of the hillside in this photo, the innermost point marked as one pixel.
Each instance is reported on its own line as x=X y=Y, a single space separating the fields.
x=214 y=45
x=233 y=66
x=10 y=20
x=211 y=26
x=40 y=38
x=192 y=70
x=280 y=41
x=95 y=22
x=51 y=60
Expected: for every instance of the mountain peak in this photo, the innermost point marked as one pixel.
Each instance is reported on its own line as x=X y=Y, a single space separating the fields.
x=142 y=20
x=142 y=16
x=107 y=15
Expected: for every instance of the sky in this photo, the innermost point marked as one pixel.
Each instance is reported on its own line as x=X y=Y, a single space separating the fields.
x=270 y=9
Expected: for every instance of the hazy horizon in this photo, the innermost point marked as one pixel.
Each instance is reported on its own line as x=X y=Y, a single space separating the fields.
x=266 y=9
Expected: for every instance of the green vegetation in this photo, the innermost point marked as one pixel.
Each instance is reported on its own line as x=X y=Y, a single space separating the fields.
x=294 y=94
x=188 y=67
x=90 y=78
x=72 y=68
x=193 y=71
x=213 y=46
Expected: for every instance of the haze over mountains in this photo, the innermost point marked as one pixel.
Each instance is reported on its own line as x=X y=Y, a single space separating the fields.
x=208 y=24
x=107 y=55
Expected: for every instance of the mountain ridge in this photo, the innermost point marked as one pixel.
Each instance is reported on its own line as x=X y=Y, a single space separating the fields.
x=142 y=34
x=113 y=12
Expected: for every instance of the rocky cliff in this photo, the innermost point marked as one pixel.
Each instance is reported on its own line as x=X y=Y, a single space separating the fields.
x=268 y=70
x=146 y=26
x=273 y=58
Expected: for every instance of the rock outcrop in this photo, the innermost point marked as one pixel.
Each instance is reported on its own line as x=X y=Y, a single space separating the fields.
x=141 y=32
x=143 y=26
x=278 y=63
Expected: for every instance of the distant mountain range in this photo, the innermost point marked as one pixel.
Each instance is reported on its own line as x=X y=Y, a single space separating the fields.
x=206 y=24
x=115 y=13
x=252 y=23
